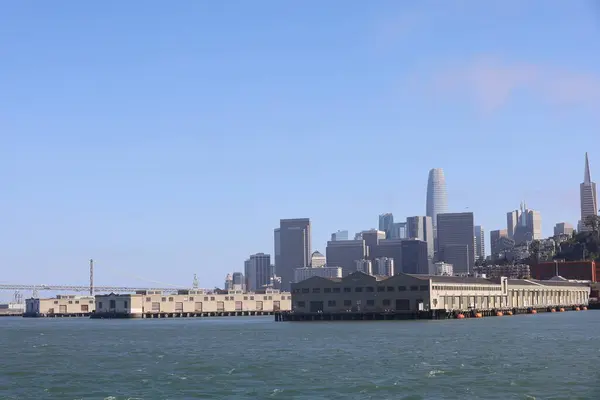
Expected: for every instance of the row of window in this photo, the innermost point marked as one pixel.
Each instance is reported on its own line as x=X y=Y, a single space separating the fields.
x=212 y=298
x=368 y=289
x=369 y=303
x=471 y=288
x=76 y=301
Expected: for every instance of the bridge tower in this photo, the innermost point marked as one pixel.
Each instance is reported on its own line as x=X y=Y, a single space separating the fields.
x=91 y=277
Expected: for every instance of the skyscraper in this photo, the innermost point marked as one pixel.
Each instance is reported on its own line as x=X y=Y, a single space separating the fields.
x=563 y=228
x=524 y=225
x=437 y=198
x=295 y=248
x=258 y=271
x=495 y=236
x=479 y=243
x=276 y=248
x=455 y=241
x=588 y=196
x=386 y=224
x=421 y=228
x=339 y=235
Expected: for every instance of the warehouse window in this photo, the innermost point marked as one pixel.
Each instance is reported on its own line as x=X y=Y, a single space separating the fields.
x=390 y=288
x=370 y=289
x=370 y=303
x=381 y=288
x=347 y=303
x=336 y=290
x=316 y=290
x=386 y=302
x=358 y=289
x=301 y=304
x=305 y=290
x=327 y=290
x=331 y=303
x=347 y=290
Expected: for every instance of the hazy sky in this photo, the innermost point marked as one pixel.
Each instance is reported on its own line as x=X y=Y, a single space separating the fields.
x=165 y=139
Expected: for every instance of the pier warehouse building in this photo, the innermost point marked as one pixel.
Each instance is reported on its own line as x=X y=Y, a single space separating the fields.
x=359 y=292
x=184 y=303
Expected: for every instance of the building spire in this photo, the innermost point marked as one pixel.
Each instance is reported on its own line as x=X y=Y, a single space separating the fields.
x=587 y=177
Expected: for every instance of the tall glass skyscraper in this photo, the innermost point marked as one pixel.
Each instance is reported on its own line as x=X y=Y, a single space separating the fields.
x=437 y=198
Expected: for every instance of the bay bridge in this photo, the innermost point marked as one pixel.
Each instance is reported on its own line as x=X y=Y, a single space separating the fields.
x=91 y=289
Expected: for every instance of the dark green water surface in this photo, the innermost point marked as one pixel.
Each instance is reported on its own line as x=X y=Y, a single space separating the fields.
x=544 y=356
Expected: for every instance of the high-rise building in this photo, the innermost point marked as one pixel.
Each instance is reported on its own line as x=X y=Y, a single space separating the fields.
x=399 y=231
x=258 y=271
x=455 y=241
x=372 y=238
x=421 y=228
x=588 y=196
x=386 y=224
x=317 y=260
x=295 y=248
x=301 y=274
x=228 y=282
x=437 y=198
x=414 y=257
x=524 y=225
x=344 y=253
x=385 y=266
x=563 y=228
x=238 y=281
x=390 y=248
x=479 y=242
x=365 y=266
x=495 y=247
x=339 y=235
x=276 y=248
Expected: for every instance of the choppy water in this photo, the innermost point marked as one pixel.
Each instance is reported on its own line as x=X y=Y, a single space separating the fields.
x=545 y=356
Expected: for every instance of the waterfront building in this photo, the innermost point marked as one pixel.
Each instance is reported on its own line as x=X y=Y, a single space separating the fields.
x=588 y=196
x=386 y=224
x=344 y=253
x=385 y=266
x=408 y=293
x=324 y=272
x=443 y=269
x=437 y=198
x=455 y=241
x=295 y=248
x=61 y=305
x=415 y=259
x=422 y=228
x=153 y=303
x=365 y=266
x=257 y=271
x=495 y=247
x=317 y=260
x=563 y=228
x=339 y=235
x=479 y=243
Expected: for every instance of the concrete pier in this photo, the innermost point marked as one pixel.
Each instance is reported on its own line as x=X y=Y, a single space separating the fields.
x=159 y=315
x=288 y=316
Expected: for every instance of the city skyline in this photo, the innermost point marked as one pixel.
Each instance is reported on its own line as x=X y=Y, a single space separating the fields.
x=207 y=126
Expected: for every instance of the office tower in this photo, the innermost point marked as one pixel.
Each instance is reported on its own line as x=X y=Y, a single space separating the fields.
x=455 y=241
x=295 y=248
x=390 y=248
x=495 y=247
x=524 y=225
x=399 y=231
x=258 y=271
x=276 y=249
x=415 y=259
x=563 y=228
x=479 y=243
x=443 y=269
x=228 y=282
x=301 y=274
x=421 y=228
x=344 y=253
x=386 y=224
x=339 y=235
x=588 y=196
x=365 y=266
x=372 y=238
x=317 y=260
x=238 y=281
x=437 y=198
x=385 y=266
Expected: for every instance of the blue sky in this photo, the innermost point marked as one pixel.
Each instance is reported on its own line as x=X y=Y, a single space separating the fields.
x=167 y=139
